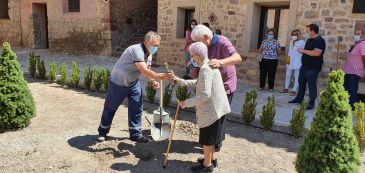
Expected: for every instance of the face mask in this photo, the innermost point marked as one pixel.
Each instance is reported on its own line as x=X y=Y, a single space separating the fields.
x=153 y=50
x=192 y=26
x=194 y=64
x=357 y=38
x=270 y=36
x=294 y=37
x=306 y=35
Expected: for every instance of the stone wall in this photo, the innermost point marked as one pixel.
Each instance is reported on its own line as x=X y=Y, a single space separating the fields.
x=10 y=30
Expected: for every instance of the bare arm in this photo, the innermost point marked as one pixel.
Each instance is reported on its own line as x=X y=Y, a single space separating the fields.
x=149 y=74
x=232 y=60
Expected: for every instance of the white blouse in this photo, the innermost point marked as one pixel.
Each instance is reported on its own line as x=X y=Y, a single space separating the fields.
x=295 y=56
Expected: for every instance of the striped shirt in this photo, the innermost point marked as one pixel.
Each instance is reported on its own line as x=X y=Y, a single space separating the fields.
x=354 y=63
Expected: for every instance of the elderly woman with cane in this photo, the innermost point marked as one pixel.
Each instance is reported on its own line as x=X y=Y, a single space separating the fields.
x=211 y=104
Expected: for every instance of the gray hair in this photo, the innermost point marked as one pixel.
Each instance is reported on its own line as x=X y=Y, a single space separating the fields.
x=200 y=31
x=199 y=49
x=151 y=36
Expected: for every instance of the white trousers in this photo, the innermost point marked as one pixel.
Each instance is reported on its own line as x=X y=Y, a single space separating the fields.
x=289 y=72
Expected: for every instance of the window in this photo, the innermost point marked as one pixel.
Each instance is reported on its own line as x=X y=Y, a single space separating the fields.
x=359 y=6
x=184 y=16
x=277 y=18
x=4 y=9
x=74 y=5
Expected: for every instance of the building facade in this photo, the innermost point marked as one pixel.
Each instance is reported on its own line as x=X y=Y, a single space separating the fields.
x=245 y=22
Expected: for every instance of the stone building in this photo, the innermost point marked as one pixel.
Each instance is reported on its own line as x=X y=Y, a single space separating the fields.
x=76 y=26
x=244 y=22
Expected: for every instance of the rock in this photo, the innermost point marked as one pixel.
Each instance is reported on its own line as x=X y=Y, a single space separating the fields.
x=311 y=14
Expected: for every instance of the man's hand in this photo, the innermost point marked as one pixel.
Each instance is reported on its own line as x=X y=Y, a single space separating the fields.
x=169 y=76
x=215 y=63
x=300 y=50
x=182 y=104
x=155 y=84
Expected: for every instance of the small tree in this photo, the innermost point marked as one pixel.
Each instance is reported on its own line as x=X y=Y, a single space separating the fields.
x=268 y=113
x=359 y=127
x=97 y=79
x=52 y=71
x=167 y=95
x=105 y=73
x=182 y=93
x=75 y=76
x=16 y=101
x=249 y=107
x=297 y=122
x=64 y=75
x=88 y=77
x=32 y=64
x=151 y=92
x=41 y=69
x=331 y=145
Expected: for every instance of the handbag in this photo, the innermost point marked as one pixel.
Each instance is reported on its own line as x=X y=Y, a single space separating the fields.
x=259 y=57
x=287 y=61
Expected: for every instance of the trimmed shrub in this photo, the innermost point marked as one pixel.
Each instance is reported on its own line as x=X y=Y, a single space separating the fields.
x=88 y=77
x=151 y=92
x=64 y=75
x=297 y=121
x=182 y=93
x=52 y=72
x=331 y=145
x=105 y=75
x=16 y=101
x=41 y=69
x=97 y=79
x=359 y=127
x=249 y=107
x=268 y=113
x=32 y=68
x=75 y=75
x=167 y=95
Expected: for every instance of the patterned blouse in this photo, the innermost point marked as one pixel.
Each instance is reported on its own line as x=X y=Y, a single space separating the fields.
x=270 y=49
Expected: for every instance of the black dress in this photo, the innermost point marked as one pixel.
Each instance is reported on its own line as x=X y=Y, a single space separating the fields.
x=214 y=133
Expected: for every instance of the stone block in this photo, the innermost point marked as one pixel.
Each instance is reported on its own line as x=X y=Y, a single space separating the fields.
x=341 y=21
x=311 y=14
x=330 y=26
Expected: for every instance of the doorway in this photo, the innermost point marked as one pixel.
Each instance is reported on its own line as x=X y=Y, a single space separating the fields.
x=40 y=26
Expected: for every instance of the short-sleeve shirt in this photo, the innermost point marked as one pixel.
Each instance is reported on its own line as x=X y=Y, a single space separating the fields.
x=270 y=51
x=314 y=62
x=221 y=48
x=354 y=63
x=125 y=72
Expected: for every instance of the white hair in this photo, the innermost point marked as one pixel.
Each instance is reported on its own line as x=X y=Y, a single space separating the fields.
x=200 y=31
x=199 y=49
x=151 y=36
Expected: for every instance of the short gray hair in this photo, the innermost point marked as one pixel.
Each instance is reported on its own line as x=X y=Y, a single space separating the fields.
x=151 y=36
x=200 y=31
x=200 y=49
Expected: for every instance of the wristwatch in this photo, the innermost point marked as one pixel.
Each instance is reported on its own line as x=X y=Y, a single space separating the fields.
x=221 y=64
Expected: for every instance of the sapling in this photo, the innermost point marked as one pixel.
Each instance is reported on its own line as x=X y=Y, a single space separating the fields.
x=64 y=75
x=151 y=92
x=75 y=75
x=88 y=77
x=97 y=78
x=182 y=93
x=167 y=95
x=52 y=72
x=359 y=127
x=32 y=64
x=297 y=122
x=105 y=78
x=249 y=107
x=268 y=113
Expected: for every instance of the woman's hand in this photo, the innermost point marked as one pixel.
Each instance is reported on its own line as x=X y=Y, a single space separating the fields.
x=182 y=104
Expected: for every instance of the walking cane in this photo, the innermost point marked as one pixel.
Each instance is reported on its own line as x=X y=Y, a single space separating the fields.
x=172 y=133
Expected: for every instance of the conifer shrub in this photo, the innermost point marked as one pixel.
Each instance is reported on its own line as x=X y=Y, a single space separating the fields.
x=268 y=113
x=32 y=67
x=88 y=77
x=41 y=69
x=64 y=75
x=359 y=127
x=182 y=93
x=167 y=95
x=105 y=73
x=330 y=145
x=297 y=122
x=75 y=75
x=97 y=78
x=151 y=92
x=52 y=72
x=248 y=111
x=16 y=101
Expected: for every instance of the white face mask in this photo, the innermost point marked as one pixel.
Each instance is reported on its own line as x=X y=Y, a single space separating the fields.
x=294 y=37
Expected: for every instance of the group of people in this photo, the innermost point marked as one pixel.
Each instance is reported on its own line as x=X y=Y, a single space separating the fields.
x=210 y=68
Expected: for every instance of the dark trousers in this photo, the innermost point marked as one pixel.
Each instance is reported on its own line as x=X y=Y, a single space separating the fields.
x=219 y=145
x=268 y=69
x=309 y=76
x=115 y=97
x=351 y=86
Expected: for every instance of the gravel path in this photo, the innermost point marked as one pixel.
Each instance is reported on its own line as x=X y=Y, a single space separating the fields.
x=61 y=138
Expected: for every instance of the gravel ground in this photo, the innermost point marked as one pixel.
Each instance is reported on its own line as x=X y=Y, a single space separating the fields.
x=61 y=138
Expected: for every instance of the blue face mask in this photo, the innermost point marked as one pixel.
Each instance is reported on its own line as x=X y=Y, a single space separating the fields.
x=153 y=50
x=357 y=38
x=194 y=64
x=270 y=36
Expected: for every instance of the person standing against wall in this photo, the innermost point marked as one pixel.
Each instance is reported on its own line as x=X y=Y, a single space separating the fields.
x=270 y=48
x=312 y=62
x=354 y=66
x=294 y=62
x=188 y=42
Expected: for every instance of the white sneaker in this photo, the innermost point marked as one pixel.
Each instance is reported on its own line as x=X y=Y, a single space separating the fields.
x=101 y=138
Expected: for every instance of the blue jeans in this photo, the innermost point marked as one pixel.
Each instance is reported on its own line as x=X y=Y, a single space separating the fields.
x=309 y=76
x=351 y=86
x=115 y=97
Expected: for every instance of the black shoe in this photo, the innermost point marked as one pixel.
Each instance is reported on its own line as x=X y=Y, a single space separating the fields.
x=310 y=106
x=295 y=101
x=214 y=162
x=140 y=139
x=202 y=169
